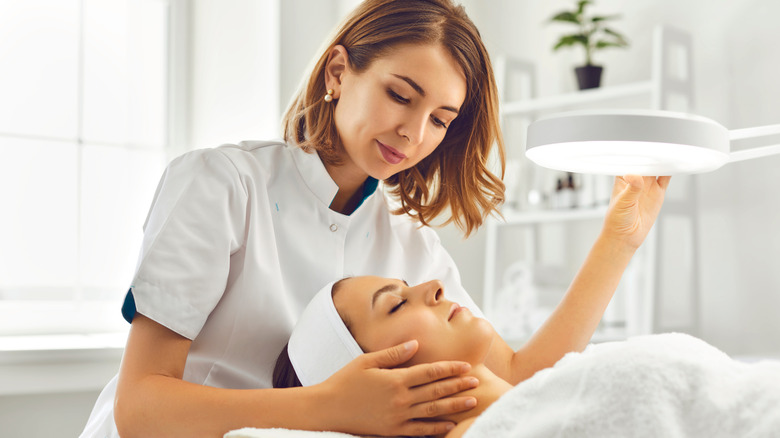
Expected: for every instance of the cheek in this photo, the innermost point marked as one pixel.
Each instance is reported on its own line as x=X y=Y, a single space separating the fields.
x=361 y=111
x=386 y=335
x=420 y=155
x=433 y=138
x=428 y=149
x=421 y=326
x=344 y=118
x=434 y=337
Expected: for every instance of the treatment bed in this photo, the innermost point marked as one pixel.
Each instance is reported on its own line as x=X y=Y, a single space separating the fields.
x=669 y=385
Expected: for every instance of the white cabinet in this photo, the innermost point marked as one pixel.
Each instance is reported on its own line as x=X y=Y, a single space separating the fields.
x=532 y=253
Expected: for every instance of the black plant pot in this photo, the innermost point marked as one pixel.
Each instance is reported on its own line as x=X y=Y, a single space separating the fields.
x=589 y=76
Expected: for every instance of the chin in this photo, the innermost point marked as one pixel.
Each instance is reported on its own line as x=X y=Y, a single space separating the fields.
x=485 y=329
x=381 y=176
x=388 y=170
x=379 y=170
x=383 y=170
x=481 y=336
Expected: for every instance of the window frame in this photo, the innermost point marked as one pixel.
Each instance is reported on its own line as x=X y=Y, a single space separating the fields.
x=79 y=315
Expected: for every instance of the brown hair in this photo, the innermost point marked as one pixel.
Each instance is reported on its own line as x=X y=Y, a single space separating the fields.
x=284 y=375
x=455 y=175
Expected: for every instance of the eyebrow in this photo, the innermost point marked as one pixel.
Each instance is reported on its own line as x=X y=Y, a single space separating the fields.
x=385 y=289
x=420 y=90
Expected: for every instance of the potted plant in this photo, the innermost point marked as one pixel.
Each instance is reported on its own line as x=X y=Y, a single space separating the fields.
x=593 y=35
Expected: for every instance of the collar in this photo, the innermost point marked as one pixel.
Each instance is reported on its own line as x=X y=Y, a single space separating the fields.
x=314 y=174
x=369 y=187
x=317 y=178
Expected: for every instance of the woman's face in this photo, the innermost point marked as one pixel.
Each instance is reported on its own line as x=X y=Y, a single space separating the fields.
x=396 y=112
x=383 y=312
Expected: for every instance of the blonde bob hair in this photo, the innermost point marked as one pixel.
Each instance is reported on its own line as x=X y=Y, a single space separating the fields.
x=455 y=175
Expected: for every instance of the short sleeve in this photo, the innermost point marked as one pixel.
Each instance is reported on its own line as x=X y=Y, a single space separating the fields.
x=196 y=222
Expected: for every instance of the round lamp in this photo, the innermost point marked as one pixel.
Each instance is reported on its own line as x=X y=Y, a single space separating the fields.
x=619 y=142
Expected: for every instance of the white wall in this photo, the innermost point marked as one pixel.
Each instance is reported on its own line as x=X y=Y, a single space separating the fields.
x=305 y=27
x=234 y=71
x=736 y=66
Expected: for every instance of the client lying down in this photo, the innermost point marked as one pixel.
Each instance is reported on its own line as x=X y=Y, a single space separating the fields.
x=659 y=385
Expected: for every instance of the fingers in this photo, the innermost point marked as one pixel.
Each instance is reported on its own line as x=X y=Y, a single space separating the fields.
x=627 y=184
x=444 y=406
x=663 y=181
x=618 y=186
x=443 y=388
x=637 y=183
x=391 y=357
x=426 y=428
x=431 y=372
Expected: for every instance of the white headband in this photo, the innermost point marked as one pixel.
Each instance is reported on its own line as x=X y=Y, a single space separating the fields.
x=320 y=343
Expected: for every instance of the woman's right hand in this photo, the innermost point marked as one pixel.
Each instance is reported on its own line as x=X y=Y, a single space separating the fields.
x=369 y=396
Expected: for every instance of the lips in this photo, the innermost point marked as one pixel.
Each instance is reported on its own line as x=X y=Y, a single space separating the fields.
x=390 y=154
x=454 y=310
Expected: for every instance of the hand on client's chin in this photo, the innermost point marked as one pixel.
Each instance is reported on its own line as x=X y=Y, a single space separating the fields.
x=370 y=395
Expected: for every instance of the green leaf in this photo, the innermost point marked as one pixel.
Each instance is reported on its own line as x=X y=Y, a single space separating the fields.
x=619 y=39
x=568 y=17
x=600 y=18
x=570 y=40
x=604 y=44
x=613 y=33
x=581 y=6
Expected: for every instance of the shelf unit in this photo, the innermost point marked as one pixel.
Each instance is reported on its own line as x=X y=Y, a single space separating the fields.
x=670 y=87
x=578 y=99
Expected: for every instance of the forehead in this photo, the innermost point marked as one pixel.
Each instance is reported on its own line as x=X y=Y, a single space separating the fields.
x=430 y=66
x=354 y=296
x=363 y=287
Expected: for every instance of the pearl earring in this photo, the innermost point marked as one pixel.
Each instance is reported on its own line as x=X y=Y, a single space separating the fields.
x=329 y=96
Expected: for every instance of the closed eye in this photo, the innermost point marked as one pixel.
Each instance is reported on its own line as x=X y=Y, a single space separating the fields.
x=398 y=306
x=438 y=122
x=397 y=96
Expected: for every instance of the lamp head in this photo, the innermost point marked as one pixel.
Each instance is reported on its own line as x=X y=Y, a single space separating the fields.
x=619 y=142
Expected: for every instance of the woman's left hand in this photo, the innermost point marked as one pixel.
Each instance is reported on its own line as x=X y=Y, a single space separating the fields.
x=634 y=207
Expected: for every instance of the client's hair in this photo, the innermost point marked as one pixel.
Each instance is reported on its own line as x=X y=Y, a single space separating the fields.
x=284 y=374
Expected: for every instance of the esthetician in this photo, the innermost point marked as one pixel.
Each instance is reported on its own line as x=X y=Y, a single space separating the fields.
x=240 y=237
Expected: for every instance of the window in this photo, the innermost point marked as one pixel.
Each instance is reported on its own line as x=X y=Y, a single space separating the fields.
x=84 y=131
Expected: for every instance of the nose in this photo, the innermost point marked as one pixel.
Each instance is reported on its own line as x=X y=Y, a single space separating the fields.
x=433 y=292
x=413 y=129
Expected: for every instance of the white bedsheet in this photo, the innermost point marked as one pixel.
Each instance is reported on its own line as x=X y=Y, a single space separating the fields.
x=250 y=432
x=670 y=385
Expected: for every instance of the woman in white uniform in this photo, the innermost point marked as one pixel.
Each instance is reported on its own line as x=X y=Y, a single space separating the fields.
x=239 y=237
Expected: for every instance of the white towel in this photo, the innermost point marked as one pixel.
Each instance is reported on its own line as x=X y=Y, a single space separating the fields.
x=670 y=385
x=250 y=432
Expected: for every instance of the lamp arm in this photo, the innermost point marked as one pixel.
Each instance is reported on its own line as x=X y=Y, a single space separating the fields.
x=751 y=133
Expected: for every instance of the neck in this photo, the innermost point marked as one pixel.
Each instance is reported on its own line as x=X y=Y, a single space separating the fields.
x=490 y=388
x=350 y=179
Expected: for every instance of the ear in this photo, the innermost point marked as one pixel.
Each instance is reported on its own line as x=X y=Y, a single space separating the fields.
x=337 y=64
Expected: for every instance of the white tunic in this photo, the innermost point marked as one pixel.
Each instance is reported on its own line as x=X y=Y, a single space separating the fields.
x=238 y=240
